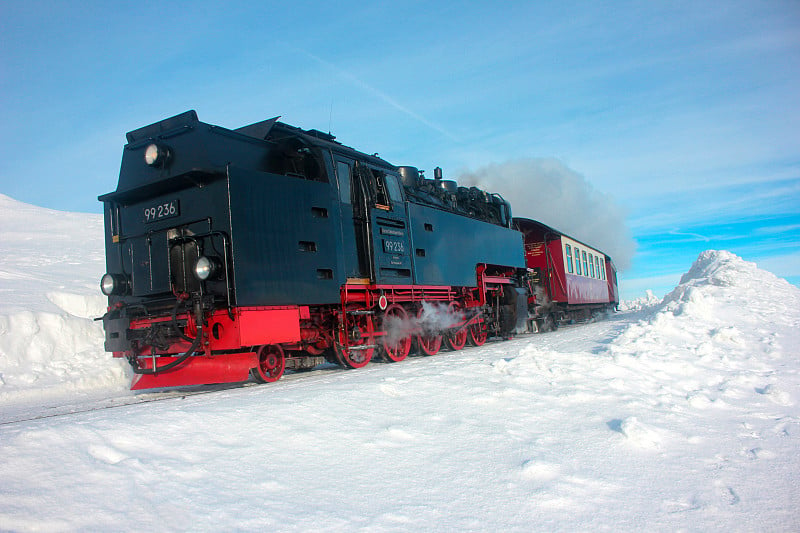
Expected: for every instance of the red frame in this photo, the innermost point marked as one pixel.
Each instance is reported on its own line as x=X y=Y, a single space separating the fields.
x=198 y=370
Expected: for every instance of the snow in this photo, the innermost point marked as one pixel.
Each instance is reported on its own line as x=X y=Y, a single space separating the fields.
x=50 y=267
x=673 y=415
x=637 y=304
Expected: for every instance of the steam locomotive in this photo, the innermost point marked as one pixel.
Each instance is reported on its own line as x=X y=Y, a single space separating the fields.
x=242 y=253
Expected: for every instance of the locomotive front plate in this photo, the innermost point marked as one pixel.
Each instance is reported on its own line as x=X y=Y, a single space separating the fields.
x=160 y=211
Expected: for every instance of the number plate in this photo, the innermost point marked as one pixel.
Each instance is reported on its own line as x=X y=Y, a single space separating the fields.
x=161 y=211
x=393 y=247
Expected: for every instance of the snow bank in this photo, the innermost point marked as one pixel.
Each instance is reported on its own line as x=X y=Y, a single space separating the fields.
x=49 y=278
x=734 y=321
x=721 y=304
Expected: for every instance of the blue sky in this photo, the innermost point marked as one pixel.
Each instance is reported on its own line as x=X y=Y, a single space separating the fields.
x=681 y=115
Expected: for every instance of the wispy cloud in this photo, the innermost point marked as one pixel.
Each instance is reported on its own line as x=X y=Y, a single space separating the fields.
x=694 y=236
x=777 y=230
x=347 y=76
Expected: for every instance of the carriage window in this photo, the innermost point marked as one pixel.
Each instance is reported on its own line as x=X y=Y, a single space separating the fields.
x=568 y=248
x=578 y=262
x=585 y=265
x=597 y=265
x=591 y=266
x=603 y=266
x=343 y=170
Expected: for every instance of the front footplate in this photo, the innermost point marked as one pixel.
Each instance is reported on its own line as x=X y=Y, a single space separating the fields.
x=196 y=370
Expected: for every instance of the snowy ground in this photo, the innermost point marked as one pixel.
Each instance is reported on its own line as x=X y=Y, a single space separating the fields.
x=673 y=415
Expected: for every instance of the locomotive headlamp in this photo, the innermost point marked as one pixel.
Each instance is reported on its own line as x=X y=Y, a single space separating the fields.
x=113 y=284
x=207 y=268
x=156 y=155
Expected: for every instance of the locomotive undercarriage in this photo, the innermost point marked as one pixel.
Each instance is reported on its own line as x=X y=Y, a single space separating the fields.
x=550 y=317
x=196 y=346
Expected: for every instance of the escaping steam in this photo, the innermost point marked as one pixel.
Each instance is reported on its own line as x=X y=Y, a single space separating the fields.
x=435 y=319
x=548 y=191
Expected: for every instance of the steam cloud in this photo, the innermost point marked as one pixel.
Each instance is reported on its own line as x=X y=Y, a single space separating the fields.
x=435 y=319
x=548 y=191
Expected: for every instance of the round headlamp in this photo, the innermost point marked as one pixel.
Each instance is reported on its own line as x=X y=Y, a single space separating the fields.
x=206 y=268
x=156 y=155
x=113 y=284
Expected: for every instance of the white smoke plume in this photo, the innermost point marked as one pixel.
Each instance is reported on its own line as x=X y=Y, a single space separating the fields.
x=548 y=191
x=436 y=318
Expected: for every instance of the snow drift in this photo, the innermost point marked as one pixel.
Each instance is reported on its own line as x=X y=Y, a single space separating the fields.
x=50 y=346
x=674 y=415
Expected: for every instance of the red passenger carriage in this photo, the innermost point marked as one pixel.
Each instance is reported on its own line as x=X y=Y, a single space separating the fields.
x=576 y=280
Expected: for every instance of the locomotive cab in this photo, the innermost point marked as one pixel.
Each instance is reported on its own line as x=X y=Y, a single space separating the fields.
x=374 y=222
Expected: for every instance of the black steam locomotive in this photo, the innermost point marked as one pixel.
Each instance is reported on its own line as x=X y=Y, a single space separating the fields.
x=236 y=253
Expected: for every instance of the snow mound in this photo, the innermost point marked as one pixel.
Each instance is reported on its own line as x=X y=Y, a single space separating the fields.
x=719 y=290
x=641 y=434
x=49 y=296
x=721 y=279
x=53 y=354
x=720 y=267
x=731 y=317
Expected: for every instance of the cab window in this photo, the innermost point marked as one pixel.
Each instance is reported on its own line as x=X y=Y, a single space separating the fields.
x=381 y=194
x=343 y=170
x=393 y=188
x=291 y=156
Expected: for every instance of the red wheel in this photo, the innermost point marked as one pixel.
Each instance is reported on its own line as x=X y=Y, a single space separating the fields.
x=397 y=341
x=355 y=346
x=271 y=364
x=429 y=342
x=477 y=334
x=456 y=338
